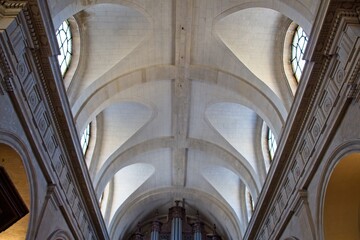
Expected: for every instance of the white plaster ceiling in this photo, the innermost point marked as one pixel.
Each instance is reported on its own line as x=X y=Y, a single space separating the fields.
x=116 y=133
x=254 y=46
x=233 y=122
x=177 y=91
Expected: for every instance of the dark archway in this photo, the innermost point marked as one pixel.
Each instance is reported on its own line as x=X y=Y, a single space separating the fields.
x=342 y=200
x=13 y=168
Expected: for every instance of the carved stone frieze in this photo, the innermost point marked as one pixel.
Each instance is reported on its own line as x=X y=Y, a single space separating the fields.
x=354 y=91
x=354 y=81
x=2 y=90
x=297 y=167
x=5 y=73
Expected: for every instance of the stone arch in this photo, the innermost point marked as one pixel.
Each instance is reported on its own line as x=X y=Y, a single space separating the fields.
x=119 y=160
x=337 y=198
x=205 y=202
x=98 y=96
x=254 y=95
x=293 y=10
x=62 y=10
x=237 y=164
x=19 y=149
x=88 y=48
x=99 y=102
x=59 y=235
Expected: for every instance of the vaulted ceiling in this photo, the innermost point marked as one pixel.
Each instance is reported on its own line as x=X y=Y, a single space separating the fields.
x=179 y=94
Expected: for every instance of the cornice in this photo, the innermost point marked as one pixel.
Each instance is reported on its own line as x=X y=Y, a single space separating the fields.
x=5 y=6
x=12 y=4
x=31 y=75
x=5 y=73
x=330 y=81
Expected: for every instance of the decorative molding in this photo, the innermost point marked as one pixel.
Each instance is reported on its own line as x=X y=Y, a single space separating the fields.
x=332 y=78
x=59 y=235
x=11 y=8
x=354 y=92
x=36 y=92
x=2 y=90
x=354 y=80
x=12 y=4
x=343 y=11
x=5 y=73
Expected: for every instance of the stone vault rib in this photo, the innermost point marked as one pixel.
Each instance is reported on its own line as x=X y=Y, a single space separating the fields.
x=181 y=89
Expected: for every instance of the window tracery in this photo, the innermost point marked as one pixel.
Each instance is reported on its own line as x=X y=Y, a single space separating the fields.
x=298 y=47
x=64 y=38
x=272 y=145
x=85 y=138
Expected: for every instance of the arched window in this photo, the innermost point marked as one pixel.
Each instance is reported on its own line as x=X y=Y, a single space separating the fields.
x=271 y=143
x=298 y=47
x=63 y=35
x=85 y=138
x=250 y=204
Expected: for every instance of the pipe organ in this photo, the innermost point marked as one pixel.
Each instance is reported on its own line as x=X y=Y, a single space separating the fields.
x=178 y=226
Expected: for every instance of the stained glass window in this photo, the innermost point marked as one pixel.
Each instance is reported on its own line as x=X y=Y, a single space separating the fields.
x=297 y=52
x=63 y=35
x=85 y=137
x=271 y=143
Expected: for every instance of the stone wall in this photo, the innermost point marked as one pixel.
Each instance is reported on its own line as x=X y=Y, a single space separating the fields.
x=321 y=125
x=39 y=119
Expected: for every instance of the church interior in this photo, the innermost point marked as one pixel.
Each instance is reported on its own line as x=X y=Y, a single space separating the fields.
x=180 y=119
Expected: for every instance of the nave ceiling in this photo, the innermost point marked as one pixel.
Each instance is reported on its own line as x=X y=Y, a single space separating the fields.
x=179 y=95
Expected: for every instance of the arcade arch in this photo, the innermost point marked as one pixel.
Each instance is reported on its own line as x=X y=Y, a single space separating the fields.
x=342 y=200
x=12 y=164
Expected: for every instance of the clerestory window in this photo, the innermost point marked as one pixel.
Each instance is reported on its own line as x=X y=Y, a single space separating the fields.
x=298 y=47
x=272 y=145
x=85 y=138
x=250 y=204
x=63 y=35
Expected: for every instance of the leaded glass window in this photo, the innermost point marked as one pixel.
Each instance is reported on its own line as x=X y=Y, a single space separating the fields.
x=85 y=138
x=297 y=52
x=63 y=35
x=271 y=143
